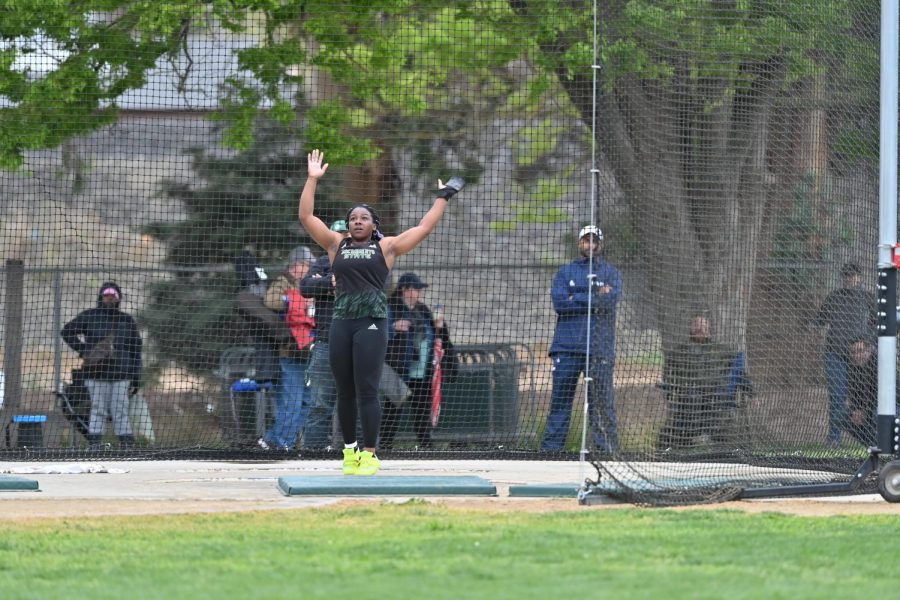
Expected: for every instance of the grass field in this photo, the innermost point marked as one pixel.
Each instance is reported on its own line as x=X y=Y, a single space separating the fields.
x=423 y=550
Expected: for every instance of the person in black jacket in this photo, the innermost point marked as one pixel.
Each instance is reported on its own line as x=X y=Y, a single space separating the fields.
x=845 y=311
x=702 y=379
x=108 y=341
x=318 y=284
x=862 y=389
x=412 y=332
x=266 y=330
x=264 y=327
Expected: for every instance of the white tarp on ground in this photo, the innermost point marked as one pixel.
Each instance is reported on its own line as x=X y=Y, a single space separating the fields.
x=64 y=469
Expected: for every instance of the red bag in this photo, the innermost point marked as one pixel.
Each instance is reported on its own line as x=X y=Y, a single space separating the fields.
x=300 y=319
x=436 y=382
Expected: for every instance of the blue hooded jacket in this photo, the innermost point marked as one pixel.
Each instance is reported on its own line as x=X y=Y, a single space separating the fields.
x=401 y=345
x=570 y=300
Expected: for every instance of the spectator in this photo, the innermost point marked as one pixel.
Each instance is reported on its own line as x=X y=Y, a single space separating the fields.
x=266 y=331
x=412 y=331
x=701 y=379
x=292 y=396
x=862 y=389
x=107 y=340
x=318 y=285
x=845 y=312
x=576 y=289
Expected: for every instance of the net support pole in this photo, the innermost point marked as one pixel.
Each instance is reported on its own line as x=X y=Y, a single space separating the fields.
x=12 y=342
x=886 y=439
x=588 y=371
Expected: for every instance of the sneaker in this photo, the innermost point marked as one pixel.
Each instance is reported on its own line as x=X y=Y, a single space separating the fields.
x=368 y=463
x=263 y=444
x=351 y=461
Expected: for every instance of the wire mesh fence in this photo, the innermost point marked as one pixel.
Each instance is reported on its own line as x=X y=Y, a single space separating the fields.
x=726 y=153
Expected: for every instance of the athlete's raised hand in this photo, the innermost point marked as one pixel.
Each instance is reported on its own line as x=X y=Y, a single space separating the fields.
x=314 y=165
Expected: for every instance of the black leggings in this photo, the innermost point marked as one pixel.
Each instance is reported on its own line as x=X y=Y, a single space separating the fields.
x=357 y=348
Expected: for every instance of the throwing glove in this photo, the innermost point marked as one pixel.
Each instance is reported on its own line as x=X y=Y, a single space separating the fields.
x=451 y=187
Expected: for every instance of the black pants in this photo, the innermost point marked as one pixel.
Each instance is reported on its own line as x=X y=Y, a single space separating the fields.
x=356 y=349
x=419 y=403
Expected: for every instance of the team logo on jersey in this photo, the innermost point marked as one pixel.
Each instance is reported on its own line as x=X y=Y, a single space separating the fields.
x=358 y=253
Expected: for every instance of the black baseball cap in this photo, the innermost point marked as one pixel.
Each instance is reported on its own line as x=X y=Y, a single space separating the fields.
x=411 y=280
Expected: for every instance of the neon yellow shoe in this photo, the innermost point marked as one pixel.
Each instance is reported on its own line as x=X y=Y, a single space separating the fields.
x=368 y=463
x=351 y=461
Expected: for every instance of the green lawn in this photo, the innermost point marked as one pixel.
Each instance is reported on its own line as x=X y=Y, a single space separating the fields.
x=419 y=550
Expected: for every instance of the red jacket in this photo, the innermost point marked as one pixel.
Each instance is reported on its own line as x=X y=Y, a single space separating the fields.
x=299 y=318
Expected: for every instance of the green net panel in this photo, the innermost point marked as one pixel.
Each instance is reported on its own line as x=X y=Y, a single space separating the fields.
x=726 y=152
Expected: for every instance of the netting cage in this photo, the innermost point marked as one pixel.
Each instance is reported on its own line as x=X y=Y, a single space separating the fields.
x=663 y=257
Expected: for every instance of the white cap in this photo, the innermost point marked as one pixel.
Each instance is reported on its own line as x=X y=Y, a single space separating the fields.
x=590 y=229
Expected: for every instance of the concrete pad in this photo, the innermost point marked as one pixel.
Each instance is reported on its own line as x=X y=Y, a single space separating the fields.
x=17 y=484
x=545 y=490
x=386 y=485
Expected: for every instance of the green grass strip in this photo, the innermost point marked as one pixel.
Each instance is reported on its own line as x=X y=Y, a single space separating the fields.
x=420 y=550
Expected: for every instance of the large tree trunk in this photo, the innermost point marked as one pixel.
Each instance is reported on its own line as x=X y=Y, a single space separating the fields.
x=690 y=157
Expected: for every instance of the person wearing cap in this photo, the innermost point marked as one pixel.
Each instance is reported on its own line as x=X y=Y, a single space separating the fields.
x=318 y=284
x=845 y=312
x=266 y=330
x=108 y=341
x=412 y=331
x=292 y=396
x=585 y=295
x=362 y=264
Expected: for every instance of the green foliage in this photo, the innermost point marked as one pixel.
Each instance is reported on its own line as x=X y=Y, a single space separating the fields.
x=396 y=63
x=623 y=242
x=190 y=319
x=856 y=59
x=457 y=553
x=52 y=99
x=244 y=201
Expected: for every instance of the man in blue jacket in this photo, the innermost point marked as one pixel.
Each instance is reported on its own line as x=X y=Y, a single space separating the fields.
x=585 y=295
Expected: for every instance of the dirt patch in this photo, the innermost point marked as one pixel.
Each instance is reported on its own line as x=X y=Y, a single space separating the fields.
x=18 y=509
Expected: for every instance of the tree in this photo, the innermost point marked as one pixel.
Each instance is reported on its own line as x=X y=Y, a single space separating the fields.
x=687 y=93
x=684 y=113
x=241 y=201
x=685 y=102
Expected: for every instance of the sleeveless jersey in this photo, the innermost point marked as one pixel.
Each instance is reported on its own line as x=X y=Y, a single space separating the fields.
x=361 y=274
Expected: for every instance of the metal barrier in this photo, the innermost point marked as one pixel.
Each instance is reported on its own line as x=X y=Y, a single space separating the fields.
x=481 y=403
x=244 y=404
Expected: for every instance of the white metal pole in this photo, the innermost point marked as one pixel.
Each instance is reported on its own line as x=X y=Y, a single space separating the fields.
x=887 y=278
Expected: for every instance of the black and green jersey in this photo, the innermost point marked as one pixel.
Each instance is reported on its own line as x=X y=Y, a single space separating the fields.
x=361 y=274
